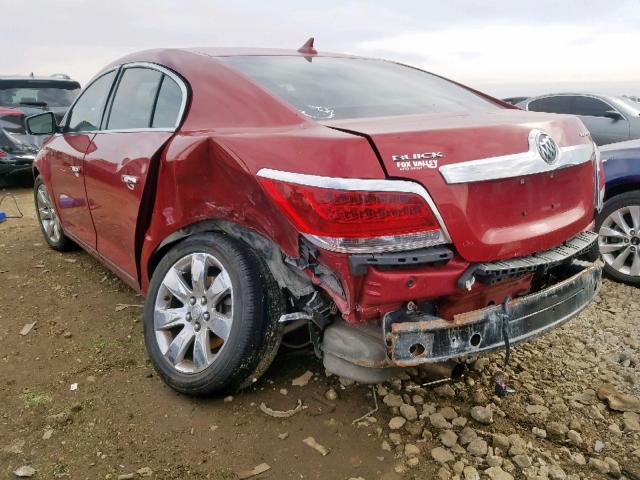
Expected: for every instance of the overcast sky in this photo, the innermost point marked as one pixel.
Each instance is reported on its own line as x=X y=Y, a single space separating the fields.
x=504 y=47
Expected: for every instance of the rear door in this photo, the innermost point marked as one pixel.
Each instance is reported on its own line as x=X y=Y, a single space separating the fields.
x=65 y=153
x=142 y=116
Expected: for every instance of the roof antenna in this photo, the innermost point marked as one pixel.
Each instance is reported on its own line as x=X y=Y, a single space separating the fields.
x=307 y=48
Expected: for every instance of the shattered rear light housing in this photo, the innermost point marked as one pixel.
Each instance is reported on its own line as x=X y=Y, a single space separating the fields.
x=354 y=215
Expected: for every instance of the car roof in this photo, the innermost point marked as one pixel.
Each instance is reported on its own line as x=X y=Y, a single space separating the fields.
x=565 y=94
x=255 y=52
x=38 y=78
x=617 y=100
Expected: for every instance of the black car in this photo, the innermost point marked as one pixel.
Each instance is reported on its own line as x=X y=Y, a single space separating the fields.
x=19 y=98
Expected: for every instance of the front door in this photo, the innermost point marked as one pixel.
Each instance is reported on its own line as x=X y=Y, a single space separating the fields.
x=142 y=117
x=65 y=154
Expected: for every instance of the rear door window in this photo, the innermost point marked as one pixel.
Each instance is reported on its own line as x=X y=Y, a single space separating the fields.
x=168 y=104
x=557 y=104
x=86 y=114
x=134 y=99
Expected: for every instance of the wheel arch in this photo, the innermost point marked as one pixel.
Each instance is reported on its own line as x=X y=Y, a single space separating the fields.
x=286 y=275
x=619 y=188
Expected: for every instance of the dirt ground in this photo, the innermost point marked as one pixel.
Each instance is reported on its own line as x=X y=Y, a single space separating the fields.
x=79 y=399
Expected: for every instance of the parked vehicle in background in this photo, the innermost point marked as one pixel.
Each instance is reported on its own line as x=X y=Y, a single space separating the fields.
x=514 y=100
x=20 y=97
x=401 y=218
x=35 y=94
x=618 y=224
x=609 y=119
x=16 y=151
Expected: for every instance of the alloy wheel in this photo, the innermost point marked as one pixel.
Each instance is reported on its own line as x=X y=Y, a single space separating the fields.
x=619 y=240
x=47 y=215
x=193 y=312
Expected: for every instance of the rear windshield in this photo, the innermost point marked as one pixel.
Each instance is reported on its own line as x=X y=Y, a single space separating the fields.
x=37 y=93
x=335 y=88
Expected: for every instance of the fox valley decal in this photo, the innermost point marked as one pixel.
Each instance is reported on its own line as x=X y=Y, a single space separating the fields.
x=417 y=161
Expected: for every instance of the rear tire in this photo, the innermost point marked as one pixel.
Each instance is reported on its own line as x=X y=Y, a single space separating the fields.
x=211 y=316
x=48 y=218
x=618 y=226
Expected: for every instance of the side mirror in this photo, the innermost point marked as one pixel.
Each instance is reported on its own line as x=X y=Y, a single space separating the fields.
x=613 y=115
x=41 y=124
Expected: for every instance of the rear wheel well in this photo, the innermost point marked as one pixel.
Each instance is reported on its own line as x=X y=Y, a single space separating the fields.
x=620 y=189
x=288 y=277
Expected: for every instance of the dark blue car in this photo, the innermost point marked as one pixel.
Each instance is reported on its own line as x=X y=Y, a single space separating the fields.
x=619 y=222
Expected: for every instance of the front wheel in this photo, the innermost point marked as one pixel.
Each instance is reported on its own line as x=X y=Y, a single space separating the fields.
x=48 y=217
x=211 y=315
x=618 y=227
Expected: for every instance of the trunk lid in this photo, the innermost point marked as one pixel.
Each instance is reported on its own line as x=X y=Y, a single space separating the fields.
x=497 y=218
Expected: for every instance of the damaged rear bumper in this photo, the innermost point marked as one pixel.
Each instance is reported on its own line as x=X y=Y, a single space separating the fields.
x=415 y=338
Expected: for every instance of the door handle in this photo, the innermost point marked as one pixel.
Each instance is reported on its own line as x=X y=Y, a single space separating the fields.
x=75 y=170
x=130 y=181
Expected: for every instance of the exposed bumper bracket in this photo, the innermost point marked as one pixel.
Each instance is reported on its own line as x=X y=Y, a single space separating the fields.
x=415 y=338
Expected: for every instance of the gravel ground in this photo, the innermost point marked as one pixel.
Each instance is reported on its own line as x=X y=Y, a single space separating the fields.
x=574 y=412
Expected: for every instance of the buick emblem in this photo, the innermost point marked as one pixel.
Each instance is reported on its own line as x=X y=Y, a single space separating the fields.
x=547 y=148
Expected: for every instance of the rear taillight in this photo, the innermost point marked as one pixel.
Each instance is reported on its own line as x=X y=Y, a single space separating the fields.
x=2 y=153
x=353 y=215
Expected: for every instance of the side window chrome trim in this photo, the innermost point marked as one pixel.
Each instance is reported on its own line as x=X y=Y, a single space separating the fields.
x=358 y=184
x=515 y=165
x=183 y=103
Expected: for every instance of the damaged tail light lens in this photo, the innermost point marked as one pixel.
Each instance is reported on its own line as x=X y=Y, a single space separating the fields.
x=355 y=220
x=321 y=211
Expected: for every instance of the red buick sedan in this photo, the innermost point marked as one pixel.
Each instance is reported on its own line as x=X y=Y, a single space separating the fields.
x=402 y=218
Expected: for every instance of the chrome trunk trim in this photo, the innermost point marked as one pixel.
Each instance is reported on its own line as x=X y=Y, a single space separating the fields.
x=517 y=164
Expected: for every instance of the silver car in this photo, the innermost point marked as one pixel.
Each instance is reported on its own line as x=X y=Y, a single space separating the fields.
x=609 y=119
